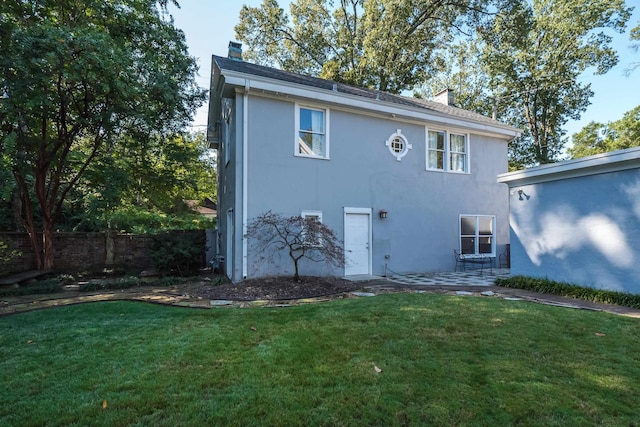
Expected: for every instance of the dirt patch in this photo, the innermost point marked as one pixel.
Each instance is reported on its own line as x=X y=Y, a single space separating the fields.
x=278 y=288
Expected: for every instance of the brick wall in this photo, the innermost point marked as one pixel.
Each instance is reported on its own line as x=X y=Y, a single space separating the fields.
x=79 y=251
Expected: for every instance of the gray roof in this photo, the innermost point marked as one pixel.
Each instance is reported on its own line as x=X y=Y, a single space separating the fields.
x=301 y=79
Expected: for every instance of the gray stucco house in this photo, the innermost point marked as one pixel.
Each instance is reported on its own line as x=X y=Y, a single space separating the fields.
x=403 y=182
x=578 y=221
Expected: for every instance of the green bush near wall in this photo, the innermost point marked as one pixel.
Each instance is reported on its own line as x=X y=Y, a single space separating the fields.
x=179 y=253
x=568 y=290
x=6 y=255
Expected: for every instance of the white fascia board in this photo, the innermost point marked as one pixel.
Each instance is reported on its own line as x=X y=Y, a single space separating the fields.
x=282 y=88
x=614 y=161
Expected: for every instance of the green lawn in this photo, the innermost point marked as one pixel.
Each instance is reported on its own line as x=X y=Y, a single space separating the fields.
x=444 y=361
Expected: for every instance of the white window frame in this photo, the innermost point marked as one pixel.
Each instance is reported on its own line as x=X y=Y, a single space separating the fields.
x=296 y=150
x=405 y=145
x=318 y=216
x=447 y=152
x=476 y=236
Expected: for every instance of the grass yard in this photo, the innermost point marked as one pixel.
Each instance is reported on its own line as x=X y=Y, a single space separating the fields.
x=396 y=359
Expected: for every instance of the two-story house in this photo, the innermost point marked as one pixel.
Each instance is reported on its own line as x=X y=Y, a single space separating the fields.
x=402 y=181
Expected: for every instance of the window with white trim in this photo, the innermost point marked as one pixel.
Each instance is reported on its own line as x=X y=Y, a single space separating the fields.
x=447 y=151
x=309 y=238
x=312 y=132
x=398 y=145
x=477 y=235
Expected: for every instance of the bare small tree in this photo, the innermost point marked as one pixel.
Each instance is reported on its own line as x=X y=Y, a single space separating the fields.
x=301 y=237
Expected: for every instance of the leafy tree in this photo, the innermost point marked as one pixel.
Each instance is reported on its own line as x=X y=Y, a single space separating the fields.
x=6 y=255
x=76 y=76
x=588 y=141
x=596 y=138
x=382 y=44
x=635 y=37
x=148 y=178
x=461 y=71
x=534 y=52
x=301 y=238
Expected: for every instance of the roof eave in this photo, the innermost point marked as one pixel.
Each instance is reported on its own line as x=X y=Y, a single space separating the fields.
x=614 y=161
x=284 y=88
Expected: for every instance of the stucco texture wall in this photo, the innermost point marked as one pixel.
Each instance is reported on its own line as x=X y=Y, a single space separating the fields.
x=584 y=231
x=421 y=229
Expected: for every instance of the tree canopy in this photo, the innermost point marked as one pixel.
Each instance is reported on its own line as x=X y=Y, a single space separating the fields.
x=76 y=76
x=379 y=44
x=534 y=53
x=596 y=138
x=137 y=185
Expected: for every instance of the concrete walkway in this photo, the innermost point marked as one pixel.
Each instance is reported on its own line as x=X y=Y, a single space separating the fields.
x=466 y=283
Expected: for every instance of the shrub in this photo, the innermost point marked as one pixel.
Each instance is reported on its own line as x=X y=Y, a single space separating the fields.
x=6 y=255
x=568 y=290
x=179 y=253
x=46 y=286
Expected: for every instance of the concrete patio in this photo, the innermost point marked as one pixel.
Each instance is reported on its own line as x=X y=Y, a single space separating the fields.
x=447 y=278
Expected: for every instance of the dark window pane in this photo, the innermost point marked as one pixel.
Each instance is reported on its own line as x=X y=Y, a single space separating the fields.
x=468 y=225
x=468 y=245
x=484 y=245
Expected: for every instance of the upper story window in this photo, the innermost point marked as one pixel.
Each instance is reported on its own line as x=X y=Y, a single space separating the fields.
x=312 y=132
x=398 y=145
x=447 y=151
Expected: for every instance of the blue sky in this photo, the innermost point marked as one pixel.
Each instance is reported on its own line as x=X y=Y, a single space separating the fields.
x=208 y=27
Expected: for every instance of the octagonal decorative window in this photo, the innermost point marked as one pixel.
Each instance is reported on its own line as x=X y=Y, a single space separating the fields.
x=398 y=145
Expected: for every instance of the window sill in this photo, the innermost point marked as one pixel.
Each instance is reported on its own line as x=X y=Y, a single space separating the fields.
x=444 y=171
x=311 y=157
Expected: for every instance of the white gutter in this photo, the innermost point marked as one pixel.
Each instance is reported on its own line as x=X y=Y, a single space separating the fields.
x=614 y=161
x=245 y=174
x=300 y=91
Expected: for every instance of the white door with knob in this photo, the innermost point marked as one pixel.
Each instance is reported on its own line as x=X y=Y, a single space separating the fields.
x=357 y=241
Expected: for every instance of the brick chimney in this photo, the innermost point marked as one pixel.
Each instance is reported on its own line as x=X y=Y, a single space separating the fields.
x=235 y=51
x=445 y=97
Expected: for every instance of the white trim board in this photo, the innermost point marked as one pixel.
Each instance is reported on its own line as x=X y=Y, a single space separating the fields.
x=614 y=161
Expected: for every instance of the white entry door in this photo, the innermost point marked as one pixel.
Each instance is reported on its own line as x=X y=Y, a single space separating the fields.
x=357 y=241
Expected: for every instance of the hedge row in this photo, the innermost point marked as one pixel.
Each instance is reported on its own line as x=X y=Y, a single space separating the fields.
x=568 y=290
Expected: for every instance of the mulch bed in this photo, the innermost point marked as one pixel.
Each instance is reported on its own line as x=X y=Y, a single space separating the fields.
x=278 y=288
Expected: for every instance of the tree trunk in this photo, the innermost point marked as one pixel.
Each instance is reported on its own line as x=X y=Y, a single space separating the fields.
x=16 y=206
x=35 y=245
x=25 y=214
x=296 y=275
x=47 y=246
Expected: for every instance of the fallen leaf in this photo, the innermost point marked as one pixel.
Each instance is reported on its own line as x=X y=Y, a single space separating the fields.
x=600 y=334
x=30 y=342
x=253 y=328
x=378 y=370
x=104 y=404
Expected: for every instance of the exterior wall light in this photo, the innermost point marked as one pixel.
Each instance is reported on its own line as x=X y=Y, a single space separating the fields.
x=383 y=214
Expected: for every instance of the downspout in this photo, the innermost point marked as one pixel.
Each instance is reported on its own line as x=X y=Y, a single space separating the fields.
x=245 y=174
